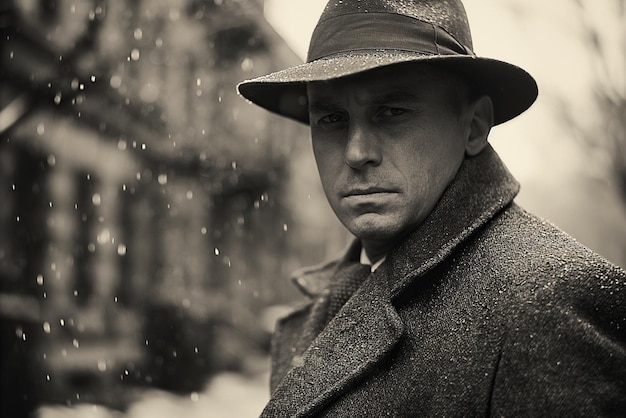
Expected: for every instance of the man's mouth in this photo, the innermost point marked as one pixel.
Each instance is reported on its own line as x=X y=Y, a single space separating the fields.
x=365 y=191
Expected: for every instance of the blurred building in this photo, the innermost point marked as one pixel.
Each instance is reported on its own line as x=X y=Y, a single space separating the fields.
x=147 y=215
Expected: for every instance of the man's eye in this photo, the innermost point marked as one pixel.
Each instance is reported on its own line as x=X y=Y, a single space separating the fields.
x=331 y=119
x=392 y=111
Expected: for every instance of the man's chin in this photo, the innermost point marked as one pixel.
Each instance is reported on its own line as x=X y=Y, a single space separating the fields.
x=373 y=227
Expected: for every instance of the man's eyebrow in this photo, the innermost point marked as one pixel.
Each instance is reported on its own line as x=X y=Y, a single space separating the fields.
x=324 y=104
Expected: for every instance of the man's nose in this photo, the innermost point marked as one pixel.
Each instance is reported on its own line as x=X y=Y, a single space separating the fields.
x=362 y=148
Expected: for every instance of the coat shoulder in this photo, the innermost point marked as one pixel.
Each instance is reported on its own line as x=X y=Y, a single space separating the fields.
x=528 y=247
x=542 y=267
x=564 y=319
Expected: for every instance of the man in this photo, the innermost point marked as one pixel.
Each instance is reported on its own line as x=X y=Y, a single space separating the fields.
x=468 y=306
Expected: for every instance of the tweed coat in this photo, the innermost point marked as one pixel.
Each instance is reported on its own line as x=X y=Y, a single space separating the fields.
x=483 y=310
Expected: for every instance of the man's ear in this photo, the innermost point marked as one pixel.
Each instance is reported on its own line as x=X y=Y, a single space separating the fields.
x=481 y=113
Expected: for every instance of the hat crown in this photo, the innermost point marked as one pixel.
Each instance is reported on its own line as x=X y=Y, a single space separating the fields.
x=447 y=14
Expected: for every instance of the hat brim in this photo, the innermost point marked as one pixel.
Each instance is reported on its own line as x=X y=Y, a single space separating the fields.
x=511 y=89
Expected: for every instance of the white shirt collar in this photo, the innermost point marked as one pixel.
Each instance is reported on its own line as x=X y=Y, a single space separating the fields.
x=366 y=260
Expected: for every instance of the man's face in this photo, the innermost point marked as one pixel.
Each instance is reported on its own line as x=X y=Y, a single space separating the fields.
x=387 y=144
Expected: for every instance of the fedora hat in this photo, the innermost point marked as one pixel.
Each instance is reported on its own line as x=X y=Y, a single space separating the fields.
x=353 y=36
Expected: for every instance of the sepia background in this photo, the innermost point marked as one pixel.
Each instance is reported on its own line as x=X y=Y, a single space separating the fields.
x=150 y=217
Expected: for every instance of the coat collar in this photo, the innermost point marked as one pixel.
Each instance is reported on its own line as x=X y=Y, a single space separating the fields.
x=482 y=188
x=368 y=327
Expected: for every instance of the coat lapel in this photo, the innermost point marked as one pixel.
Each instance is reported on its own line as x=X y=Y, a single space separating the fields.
x=364 y=331
x=368 y=327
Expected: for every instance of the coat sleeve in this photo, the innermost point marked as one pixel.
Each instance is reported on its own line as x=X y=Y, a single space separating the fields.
x=564 y=352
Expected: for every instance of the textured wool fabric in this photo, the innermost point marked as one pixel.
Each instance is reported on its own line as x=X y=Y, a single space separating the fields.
x=483 y=310
x=346 y=281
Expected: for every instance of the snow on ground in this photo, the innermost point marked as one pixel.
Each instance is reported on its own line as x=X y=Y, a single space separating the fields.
x=227 y=395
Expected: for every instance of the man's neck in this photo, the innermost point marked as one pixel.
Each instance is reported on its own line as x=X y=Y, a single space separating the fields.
x=364 y=259
x=376 y=250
